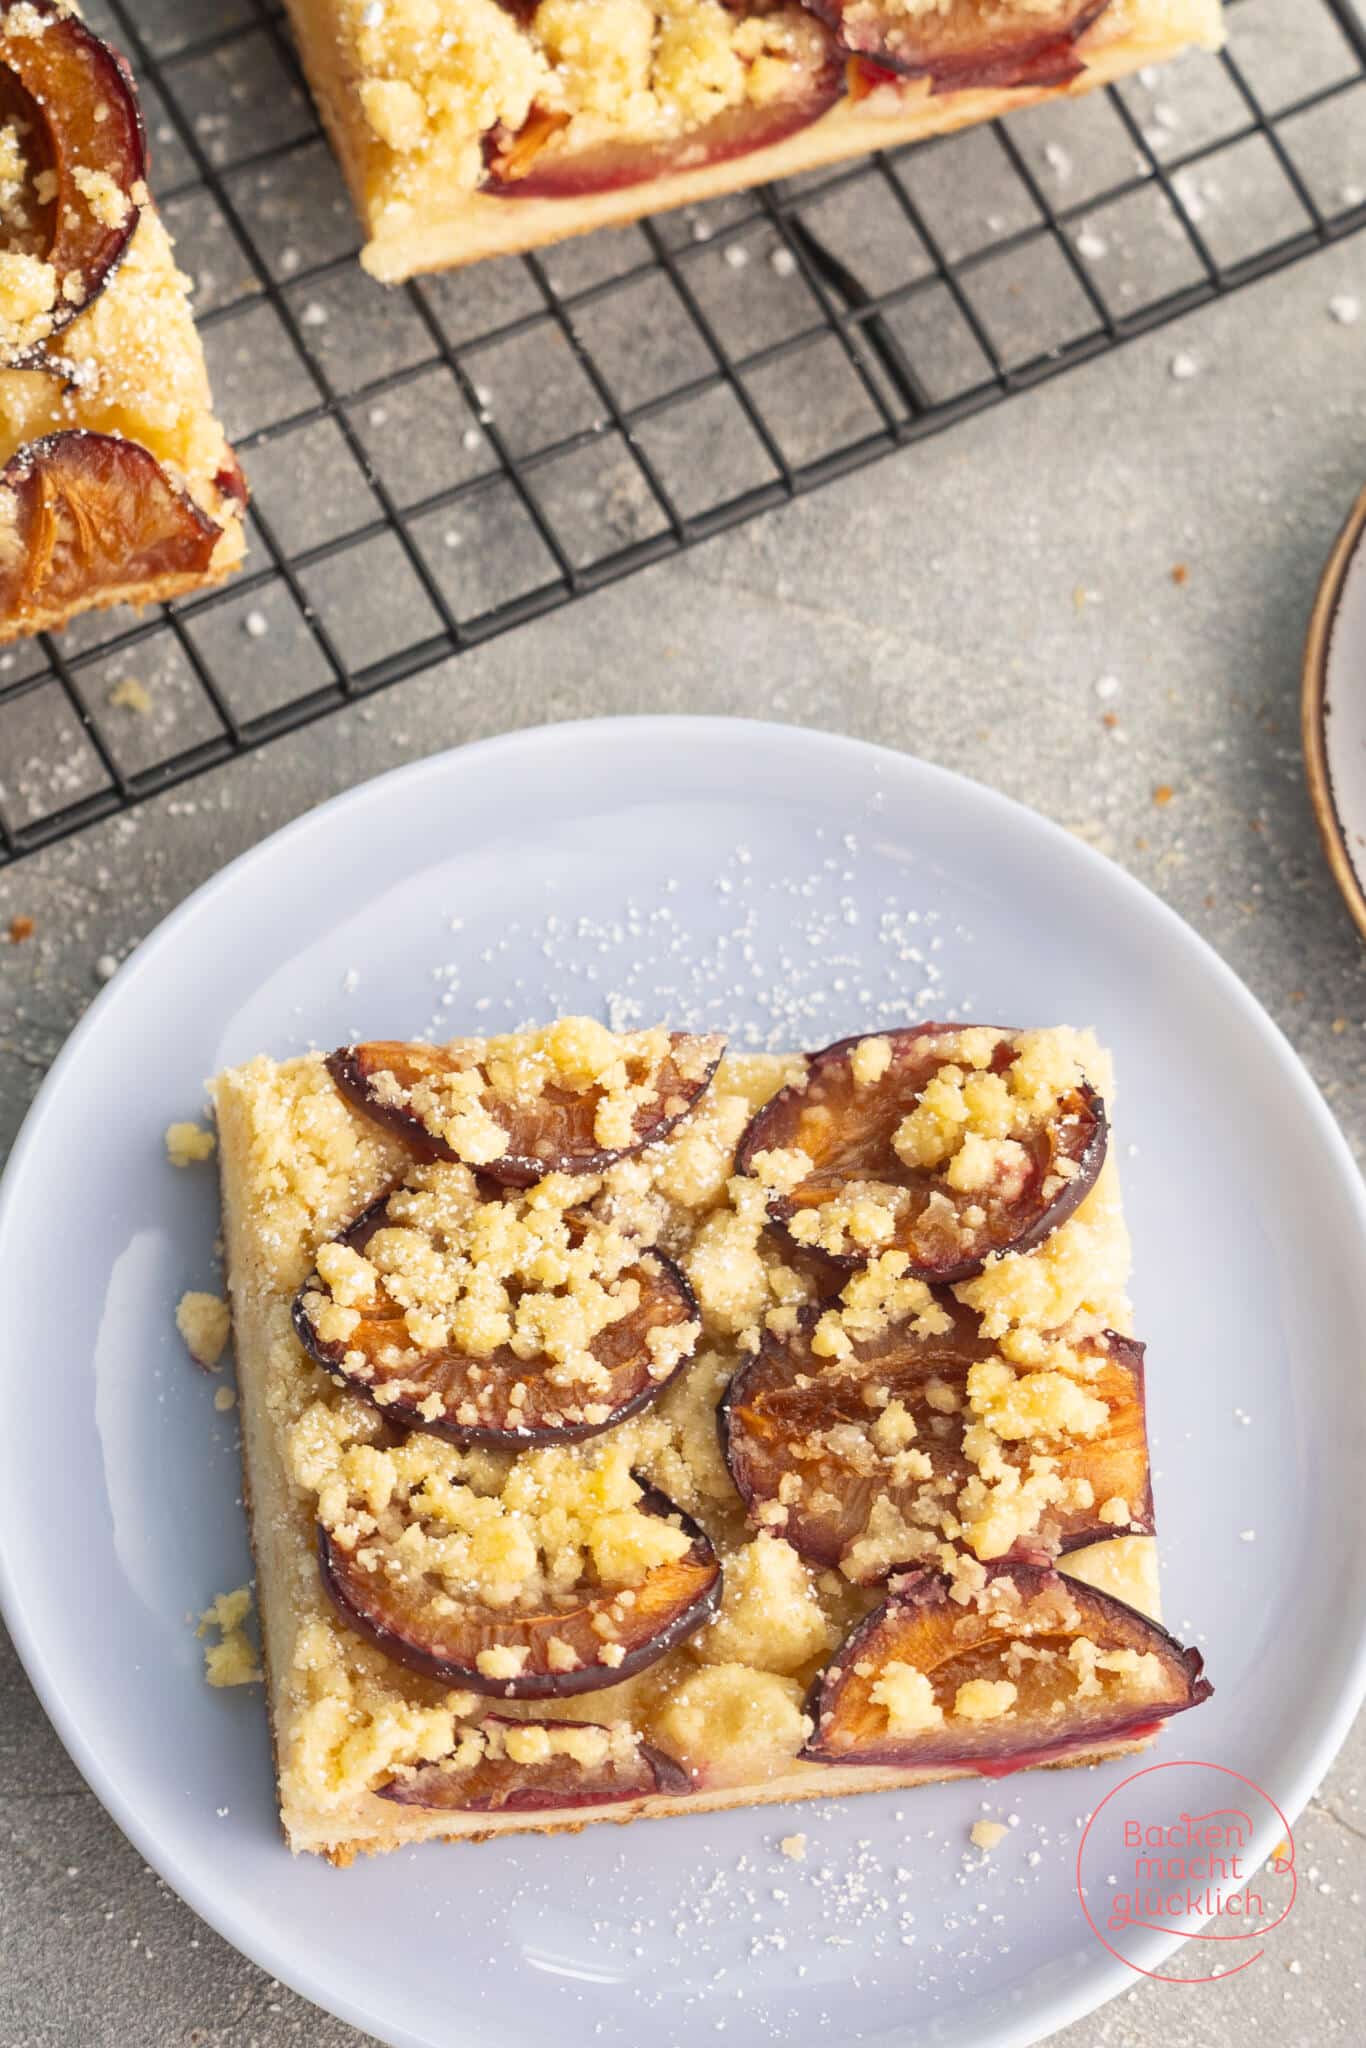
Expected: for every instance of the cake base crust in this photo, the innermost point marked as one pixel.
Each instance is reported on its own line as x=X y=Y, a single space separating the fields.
x=812 y=1781
x=50 y=618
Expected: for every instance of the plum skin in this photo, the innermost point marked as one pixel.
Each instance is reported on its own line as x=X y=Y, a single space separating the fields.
x=110 y=78
x=659 y=1776
x=48 y=477
x=737 y=132
x=331 y=1357
x=533 y=1685
x=923 y=1589
x=781 y=1208
x=351 y=1079
x=826 y=1555
x=1043 y=55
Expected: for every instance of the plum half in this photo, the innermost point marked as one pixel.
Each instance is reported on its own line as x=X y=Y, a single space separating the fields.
x=553 y=1133
x=78 y=105
x=526 y=164
x=496 y=1783
x=559 y=1642
x=803 y=1431
x=501 y=1400
x=1038 y=1667
x=847 y=1130
x=967 y=43
x=91 y=517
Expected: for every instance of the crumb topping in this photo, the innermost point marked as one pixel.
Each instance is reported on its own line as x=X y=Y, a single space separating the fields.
x=1138 y=1671
x=984 y=1699
x=48 y=208
x=966 y=1106
x=187 y=1144
x=232 y=1660
x=908 y=1697
x=130 y=365
x=972 y=1133
x=1014 y=1654
x=433 y=83
x=29 y=285
x=503 y=1532
x=771 y=1615
x=530 y=1273
x=205 y=1323
x=733 y=1722
x=535 y=1092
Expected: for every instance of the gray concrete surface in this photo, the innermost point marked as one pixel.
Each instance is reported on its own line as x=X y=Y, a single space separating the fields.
x=961 y=602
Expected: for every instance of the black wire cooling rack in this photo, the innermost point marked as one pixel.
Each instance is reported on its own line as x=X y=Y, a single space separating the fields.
x=434 y=465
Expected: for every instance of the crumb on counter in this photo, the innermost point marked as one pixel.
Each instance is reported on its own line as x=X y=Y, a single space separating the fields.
x=131 y=695
x=188 y=1143
x=232 y=1660
x=794 y=1848
x=205 y=1322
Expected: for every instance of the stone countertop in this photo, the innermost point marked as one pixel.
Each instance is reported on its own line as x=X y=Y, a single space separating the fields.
x=1093 y=599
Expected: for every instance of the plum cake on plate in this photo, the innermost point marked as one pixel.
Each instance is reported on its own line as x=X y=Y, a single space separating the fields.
x=471 y=128
x=116 y=482
x=631 y=1428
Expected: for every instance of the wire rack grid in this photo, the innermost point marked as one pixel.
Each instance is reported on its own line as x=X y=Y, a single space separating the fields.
x=435 y=465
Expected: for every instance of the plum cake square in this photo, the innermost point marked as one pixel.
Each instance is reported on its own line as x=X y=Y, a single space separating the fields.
x=635 y=1429
x=116 y=482
x=471 y=128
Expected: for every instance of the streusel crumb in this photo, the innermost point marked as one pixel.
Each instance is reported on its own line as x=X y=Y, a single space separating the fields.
x=187 y=1144
x=232 y=1660
x=205 y=1322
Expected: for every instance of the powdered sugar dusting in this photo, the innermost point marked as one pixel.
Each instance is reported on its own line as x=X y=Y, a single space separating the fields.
x=786 y=960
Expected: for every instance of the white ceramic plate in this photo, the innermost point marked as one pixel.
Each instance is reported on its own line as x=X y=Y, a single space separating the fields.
x=708 y=872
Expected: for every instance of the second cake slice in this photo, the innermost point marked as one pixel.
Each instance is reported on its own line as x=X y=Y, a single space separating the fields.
x=117 y=484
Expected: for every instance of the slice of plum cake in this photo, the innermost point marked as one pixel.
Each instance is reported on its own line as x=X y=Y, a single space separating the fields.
x=470 y=128
x=117 y=484
x=633 y=1428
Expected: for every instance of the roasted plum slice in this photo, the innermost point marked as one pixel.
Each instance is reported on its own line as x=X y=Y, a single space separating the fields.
x=854 y=1115
x=556 y=1644
x=865 y=1453
x=502 y=1400
x=530 y=163
x=408 y=1088
x=74 y=103
x=87 y=518
x=1038 y=1667
x=963 y=44
x=556 y=1765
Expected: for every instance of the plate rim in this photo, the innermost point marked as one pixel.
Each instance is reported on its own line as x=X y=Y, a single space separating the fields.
x=1056 y=2009
x=1314 y=710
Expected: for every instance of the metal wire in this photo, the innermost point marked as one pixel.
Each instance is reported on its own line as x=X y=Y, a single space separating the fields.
x=561 y=420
